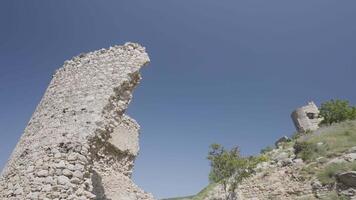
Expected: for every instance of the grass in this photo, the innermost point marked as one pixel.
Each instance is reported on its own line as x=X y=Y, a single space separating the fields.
x=203 y=194
x=309 y=151
x=316 y=149
x=328 y=141
x=200 y=196
x=333 y=196
x=327 y=174
x=310 y=169
x=180 y=198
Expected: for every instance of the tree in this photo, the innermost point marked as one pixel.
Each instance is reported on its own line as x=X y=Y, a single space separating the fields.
x=334 y=111
x=227 y=168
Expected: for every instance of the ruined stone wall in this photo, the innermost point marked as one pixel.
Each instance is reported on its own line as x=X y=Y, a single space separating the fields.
x=279 y=183
x=279 y=178
x=274 y=184
x=306 y=118
x=79 y=144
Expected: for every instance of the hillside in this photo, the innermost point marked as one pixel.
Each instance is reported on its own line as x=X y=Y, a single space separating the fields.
x=315 y=165
x=180 y=198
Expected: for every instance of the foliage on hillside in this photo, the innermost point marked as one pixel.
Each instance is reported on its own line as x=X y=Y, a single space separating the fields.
x=318 y=150
x=322 y=147
x=200 y=196
x=180 y=198
x=204 y=193
x=329 y=142
x=335 y=111
x=327 y=175
x=229 y=168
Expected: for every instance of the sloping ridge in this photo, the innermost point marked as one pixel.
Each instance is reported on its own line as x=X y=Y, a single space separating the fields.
x=317 y=165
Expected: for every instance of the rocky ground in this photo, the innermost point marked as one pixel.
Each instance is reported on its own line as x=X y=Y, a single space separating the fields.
x=315 y=165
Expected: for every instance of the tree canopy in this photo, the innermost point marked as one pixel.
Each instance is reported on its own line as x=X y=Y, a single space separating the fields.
x=334 y=111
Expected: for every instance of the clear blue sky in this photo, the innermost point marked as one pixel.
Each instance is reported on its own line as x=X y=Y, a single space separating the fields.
x=222 y=71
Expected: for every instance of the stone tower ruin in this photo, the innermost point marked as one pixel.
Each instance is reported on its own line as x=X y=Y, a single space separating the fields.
x=79 y=144
x=306 y=118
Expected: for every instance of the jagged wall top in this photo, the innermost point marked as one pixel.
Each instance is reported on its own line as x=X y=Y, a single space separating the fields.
x=80 y=89
x=74 y=125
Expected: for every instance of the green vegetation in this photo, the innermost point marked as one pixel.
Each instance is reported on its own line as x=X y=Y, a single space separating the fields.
x=317 y=148
x=308 y=150
x=331 y=142
x=327 y=174
x=334 y=111
x=200 y=196
x=181 y=198
x=204 y=193
x=333 y=196
x=229 y=168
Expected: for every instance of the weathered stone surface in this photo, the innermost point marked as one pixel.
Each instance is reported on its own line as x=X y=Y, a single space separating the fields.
x=306 y=118
x=350 y=157
x=42 y=173
x=347 y=178
x=298 y=162
x=274 y=183
x=122 y=136
x=79 y=144
x=280 y=156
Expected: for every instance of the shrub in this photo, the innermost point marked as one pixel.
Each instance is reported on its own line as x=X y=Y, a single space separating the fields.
x=229 y=168
x=226 y=164
x=254 y=160
x=334 y=111
x=304 y=150
x=308 y=151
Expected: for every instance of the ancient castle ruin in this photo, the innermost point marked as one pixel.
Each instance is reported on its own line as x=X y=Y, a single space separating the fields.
x=79 y=144
x=306 y=118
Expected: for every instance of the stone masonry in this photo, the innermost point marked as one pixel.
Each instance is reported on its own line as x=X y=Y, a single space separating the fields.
x=79 y=144
x=280 y=178
x=306 y=118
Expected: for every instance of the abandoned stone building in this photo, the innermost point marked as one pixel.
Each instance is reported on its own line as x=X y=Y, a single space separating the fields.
x=306 y=118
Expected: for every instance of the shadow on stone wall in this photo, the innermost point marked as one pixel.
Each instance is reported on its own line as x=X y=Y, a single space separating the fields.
x=98 y=188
